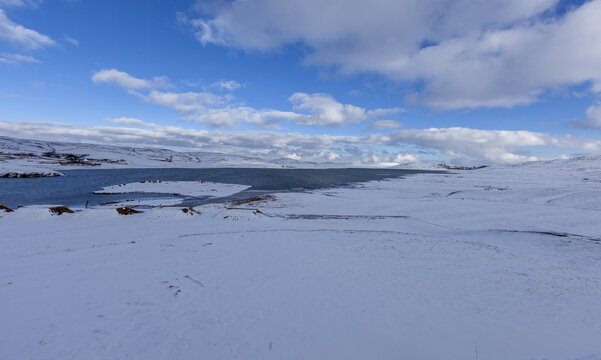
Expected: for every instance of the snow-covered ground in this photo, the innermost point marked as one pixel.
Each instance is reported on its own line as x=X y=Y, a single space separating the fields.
x=185 y=188
x=497 y=263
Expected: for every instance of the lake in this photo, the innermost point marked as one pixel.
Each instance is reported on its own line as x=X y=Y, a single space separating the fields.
x=76 y=188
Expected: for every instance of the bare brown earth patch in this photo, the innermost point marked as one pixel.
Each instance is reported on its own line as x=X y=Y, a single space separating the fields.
x=59 y=210
x=5 y=208
x=128 y=210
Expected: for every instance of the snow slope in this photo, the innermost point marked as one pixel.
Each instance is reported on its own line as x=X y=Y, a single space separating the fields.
x=498 y=263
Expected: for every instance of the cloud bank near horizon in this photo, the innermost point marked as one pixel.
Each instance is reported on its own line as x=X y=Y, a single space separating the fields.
x=458 y=145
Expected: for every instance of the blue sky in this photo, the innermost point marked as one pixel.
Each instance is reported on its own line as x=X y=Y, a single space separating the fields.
x=365 y=82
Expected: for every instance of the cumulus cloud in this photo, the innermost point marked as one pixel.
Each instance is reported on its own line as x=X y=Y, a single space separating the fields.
x=406 y=158
x=21 y=36
x=324 y=110
x=216 y=110
x=8 y=58
x=463 y=53
x=223 y=110
x=185 y=102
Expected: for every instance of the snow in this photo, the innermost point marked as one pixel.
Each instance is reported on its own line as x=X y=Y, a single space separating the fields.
x=185 y=188
x=496 y=263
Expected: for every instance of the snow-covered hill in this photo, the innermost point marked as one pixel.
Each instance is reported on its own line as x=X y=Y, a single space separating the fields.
x=24 y=156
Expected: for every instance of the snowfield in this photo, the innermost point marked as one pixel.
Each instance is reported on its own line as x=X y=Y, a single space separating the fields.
x=185 y=188
x=497 y=263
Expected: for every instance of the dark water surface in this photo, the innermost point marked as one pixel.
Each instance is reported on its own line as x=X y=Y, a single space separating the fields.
x=76 y=188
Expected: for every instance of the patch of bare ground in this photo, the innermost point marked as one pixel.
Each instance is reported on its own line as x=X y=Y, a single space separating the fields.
x=190 y=210
x=5 y=208
x=59 y=210
x=128 y=210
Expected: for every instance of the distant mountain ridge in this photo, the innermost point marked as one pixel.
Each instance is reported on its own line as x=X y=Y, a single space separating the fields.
x=37 y=156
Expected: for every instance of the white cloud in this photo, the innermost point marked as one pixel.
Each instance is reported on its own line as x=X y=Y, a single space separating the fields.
x=8 y=58
x=230 y=116
x=125 y=80
x=332 y=156
x=21 y=36
x=324 y=110
x=215 y=110
x=185 y=102
x=229 y=85
x=406 y=158
x=463 y=53
x=206 y=33
x=386 y=124
x=222 y=110
x=496 y=146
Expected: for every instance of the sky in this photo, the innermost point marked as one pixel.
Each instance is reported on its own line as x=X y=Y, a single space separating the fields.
x=379 y=82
